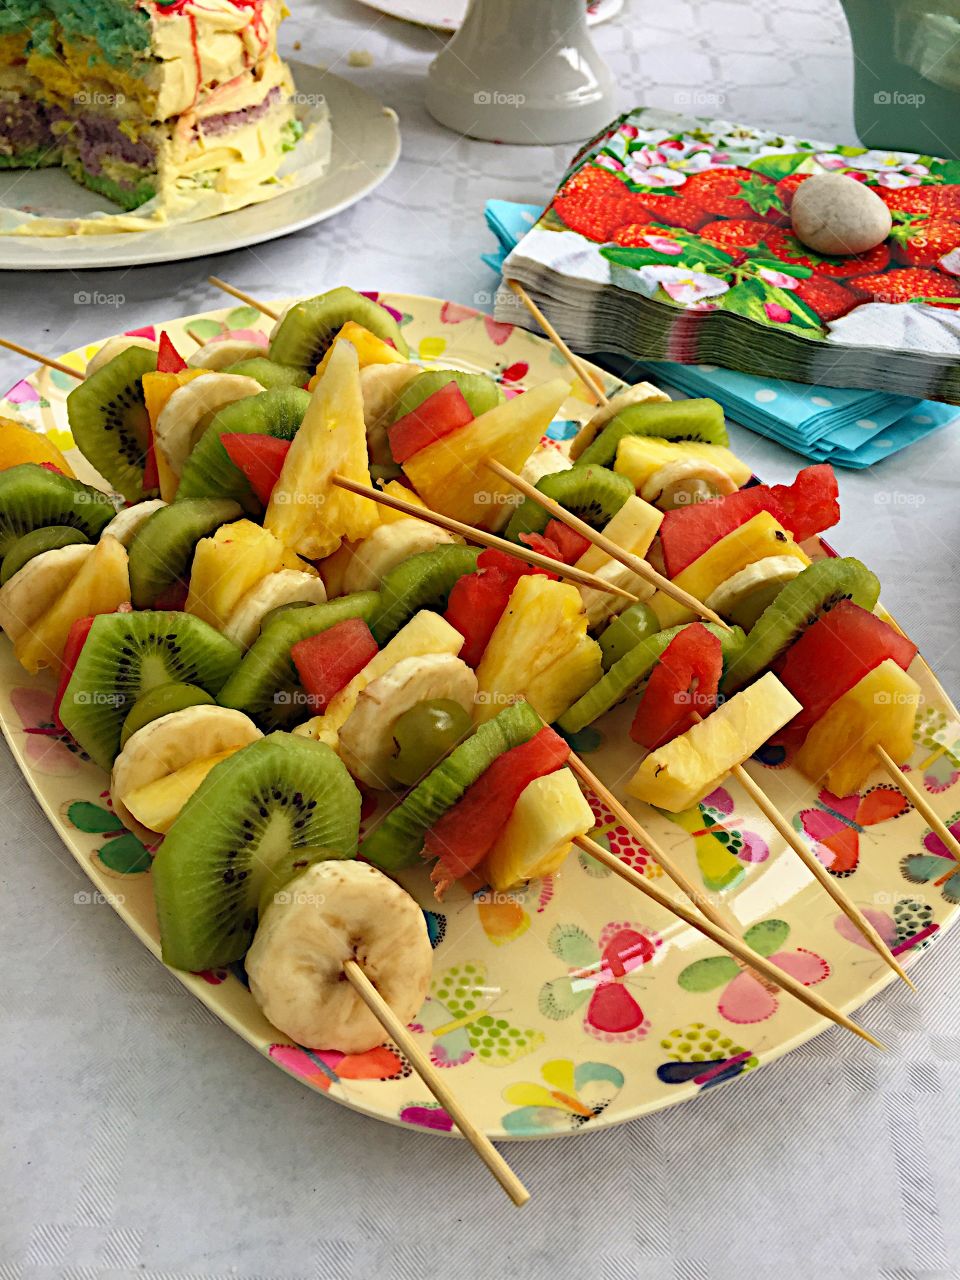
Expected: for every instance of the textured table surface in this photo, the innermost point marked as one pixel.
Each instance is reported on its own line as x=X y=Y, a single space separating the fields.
x=144 y=1139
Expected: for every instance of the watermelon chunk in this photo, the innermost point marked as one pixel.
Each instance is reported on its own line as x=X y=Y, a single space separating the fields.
x=682 y=687
x=445 y=411
x=259 y=457
x=558 y=541
x=329 y=661
x=169 y=359
x=478 y=600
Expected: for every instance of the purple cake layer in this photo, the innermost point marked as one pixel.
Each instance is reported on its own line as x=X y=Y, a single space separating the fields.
x=94 y=139
x=213 y=126
x=25 y=126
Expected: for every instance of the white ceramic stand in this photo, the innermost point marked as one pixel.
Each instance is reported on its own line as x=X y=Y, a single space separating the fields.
x=522 y=71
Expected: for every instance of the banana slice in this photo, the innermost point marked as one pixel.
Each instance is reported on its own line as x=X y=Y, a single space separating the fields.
x=380 y=385
x=366 y=739
x=332 y=912
x=743 y=597
x=639 y=393
x=286 y=586
x=190 y=409
x=685 y=482
x=386 y=547
x=169 y=744
x=37 y=587
x=126 y=524
x=601 y=605
x=113 y=347
x=219 y=355
x=544 y=462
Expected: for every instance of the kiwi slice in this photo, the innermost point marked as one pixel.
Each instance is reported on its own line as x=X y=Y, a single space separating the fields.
x=810 y=595
x=270 y=375
x=34 y=543
x=480 y=392
x=677 y=420
x=208 y=471
x=303 y=335
x=126 y=654
x=626 y=630
x=287 y=867
x=162 y=549
x=591 y=492
x=423 y=581
x=109 y=420
x=31 y=497
x=278 y=795
x=396 y=841
x=266 y=685
x=162 y=700
x=632 y=669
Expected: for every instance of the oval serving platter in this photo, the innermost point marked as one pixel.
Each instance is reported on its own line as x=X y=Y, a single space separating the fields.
x=575 y=1003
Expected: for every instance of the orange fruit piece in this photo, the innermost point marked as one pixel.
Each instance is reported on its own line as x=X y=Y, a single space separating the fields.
x=18 y=443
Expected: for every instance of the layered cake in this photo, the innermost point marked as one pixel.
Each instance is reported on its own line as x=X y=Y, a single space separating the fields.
x=140 y=99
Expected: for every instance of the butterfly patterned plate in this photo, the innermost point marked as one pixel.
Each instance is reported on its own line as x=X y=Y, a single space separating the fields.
x=574 y=1003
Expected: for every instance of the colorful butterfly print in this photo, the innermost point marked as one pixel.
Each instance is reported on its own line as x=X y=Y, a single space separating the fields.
x=325 y=1068
x=703 y=1055
x=50 y=750
x=744 y=997
x=456 y=313
x=123 y=854
x=241 y=323
x=427 y=1115
x=570 y=1097
x=436 y=926
x=612 y=835
x=940 y=762
x=721 y=848
x=911 y=926
x=459 y=1016
x=598 y=977
x=836 y=825
x=937 y=865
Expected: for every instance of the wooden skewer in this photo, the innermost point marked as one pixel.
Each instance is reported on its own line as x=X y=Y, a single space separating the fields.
x=919 y=801
x=401 y=1036
x=579 y=367
x=636 y=564
x=730 y=943
x=244 y=297
x=467 y=531
x=39 y=359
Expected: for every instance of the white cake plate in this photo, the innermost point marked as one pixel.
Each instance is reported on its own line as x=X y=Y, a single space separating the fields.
x=447 y=15
x=362 y=126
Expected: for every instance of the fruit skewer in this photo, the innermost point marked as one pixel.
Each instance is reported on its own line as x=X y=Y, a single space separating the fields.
x=58 y=365
x=467 y=531
x=262 y=307
x=918 y=800
x=579 y=367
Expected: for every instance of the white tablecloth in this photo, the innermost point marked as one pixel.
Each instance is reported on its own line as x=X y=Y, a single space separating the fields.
x=144 y=1139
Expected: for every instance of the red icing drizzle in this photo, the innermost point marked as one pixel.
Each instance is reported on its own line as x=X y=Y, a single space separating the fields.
x=179 y=6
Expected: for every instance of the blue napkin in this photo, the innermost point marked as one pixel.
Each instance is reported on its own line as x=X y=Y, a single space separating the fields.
x=849 y=428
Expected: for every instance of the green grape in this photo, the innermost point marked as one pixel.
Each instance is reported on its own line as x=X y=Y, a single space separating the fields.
x=424 y=735
x=626 y=630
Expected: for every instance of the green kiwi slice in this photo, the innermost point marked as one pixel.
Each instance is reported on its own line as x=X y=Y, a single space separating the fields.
x=31 y=497
x=480 y=392
x=34 y=543
x=287 y=867
x=306 y=331
x=591 y=492
x=266 y=685
x=270 y=375
x=397 y=839
x=632 y=669
x=277 y=795
x=810 y=595
x=109 y=420
x=626 y=630
x=208 y=471
x=162 y=549
x=423 y=581
x=126 y=654
x=676 y=420
x=162 y=700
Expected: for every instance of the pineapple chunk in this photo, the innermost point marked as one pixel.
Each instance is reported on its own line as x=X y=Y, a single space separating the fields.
x=397 y=490
x=759 y=537
x=157 y=390
x=226 y=566
x=157 y=803
x=307 y=511
x=425 y=633
x=539 y=651
x=641 y=457
x=549 y=814
x=677 y=776
x=101 y=585
x=292 y=561
x=880 y=710
x=370 y=350
x=450 y=475
x=634 y=528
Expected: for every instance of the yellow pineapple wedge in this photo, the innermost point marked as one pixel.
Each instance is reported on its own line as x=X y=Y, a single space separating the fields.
x=539 y=651
x=101 y=585
x=157 y=390
x=634 y=528
x=880 y=710
x=450 y=475
x=641 y=457
x=157 y=803
x=397 y=490
x=758 y=538
x=307 y=511
x=539 y=833
x=425 y=633
x=370 y=350
x=226 y=566
x=677 y=776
